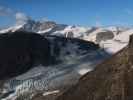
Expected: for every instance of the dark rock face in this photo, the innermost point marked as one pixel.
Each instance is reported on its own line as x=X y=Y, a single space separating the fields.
x=69 y=35
x=103 y=36
x=111 y=80
x=19 y=51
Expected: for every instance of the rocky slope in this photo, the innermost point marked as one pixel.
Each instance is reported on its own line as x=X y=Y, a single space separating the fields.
x=111 y=80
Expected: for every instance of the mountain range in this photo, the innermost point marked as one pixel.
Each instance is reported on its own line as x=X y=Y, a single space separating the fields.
x=111 y=38
x=42 y=59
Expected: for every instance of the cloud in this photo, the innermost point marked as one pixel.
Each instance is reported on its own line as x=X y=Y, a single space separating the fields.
x=21 y=18
x=17 y=17
x=4 y=11
x=14 y=16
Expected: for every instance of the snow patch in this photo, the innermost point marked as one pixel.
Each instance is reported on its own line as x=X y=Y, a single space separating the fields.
x=51 y=92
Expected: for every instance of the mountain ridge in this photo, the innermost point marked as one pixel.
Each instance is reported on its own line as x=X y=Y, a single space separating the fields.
x=106 y=37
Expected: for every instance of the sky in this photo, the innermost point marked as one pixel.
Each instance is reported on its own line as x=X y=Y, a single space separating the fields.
x=72 y=12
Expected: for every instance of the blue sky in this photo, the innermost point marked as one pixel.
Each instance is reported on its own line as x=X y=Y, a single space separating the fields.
x=79 y=12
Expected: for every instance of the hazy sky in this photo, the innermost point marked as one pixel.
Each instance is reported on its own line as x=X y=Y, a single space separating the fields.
x=80 y=12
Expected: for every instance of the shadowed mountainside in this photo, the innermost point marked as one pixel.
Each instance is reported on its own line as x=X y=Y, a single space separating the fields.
x=19 y=51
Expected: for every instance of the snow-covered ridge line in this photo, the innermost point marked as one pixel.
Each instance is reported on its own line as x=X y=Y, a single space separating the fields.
x=111 y=38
